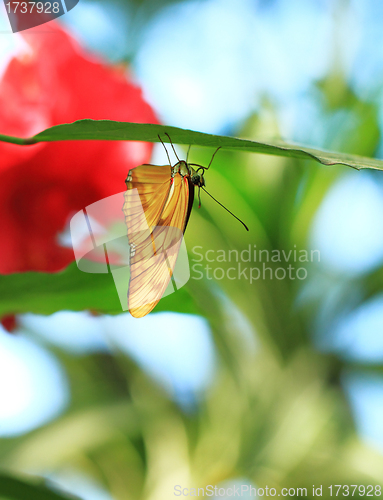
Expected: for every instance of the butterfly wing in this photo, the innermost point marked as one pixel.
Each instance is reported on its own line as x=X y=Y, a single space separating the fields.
x=157 y=208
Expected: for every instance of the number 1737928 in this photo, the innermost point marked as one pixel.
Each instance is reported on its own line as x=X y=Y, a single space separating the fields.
x=32 y=7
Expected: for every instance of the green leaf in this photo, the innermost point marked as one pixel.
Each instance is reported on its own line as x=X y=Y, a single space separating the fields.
x=45 y=293
x=73 y=290
x=16 y=489
x=125 y=131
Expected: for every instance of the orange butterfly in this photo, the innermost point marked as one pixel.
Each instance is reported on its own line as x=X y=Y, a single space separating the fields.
x=157 y=207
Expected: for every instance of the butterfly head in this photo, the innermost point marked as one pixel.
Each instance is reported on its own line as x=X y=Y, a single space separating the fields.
x=197 y=178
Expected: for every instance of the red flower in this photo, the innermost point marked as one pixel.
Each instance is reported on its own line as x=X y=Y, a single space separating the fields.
x=42 y=186
x=9 y=323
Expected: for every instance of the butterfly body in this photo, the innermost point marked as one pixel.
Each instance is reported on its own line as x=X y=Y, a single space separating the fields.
x=186 y=170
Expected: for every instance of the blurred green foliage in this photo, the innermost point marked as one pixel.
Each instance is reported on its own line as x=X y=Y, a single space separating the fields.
x=15 y=489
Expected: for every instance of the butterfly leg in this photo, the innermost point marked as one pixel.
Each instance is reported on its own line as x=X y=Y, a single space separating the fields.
x=167 y=154
x=187 y=155
x=172 y=146
x=212 y=158
x=201 y=167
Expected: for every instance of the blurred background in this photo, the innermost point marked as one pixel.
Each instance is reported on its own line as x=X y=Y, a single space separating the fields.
x=278 y=382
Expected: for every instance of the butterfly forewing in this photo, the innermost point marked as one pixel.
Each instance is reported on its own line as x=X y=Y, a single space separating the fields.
x=143 y=208
x=156 y=211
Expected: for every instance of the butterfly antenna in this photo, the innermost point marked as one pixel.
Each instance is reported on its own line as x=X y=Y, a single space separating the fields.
x=227 y=210
x=172 y=146
x=167 y=154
